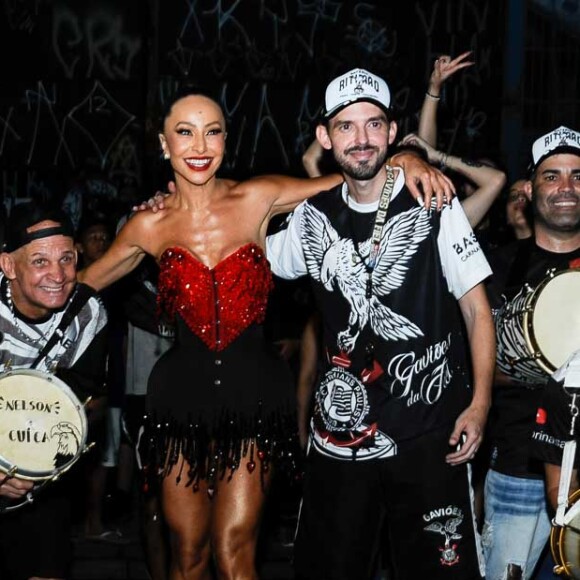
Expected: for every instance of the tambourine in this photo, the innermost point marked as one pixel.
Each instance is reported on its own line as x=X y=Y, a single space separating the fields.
x=43 y=429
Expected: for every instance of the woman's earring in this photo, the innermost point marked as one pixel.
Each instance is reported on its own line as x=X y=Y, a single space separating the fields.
x=166 y=155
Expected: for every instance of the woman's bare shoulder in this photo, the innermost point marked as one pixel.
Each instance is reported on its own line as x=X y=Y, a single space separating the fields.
x=140 y=226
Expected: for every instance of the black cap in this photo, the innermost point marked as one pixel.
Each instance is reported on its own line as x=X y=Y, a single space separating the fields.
x=26 y=215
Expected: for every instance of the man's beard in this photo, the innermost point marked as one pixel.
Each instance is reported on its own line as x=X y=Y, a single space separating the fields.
x=362 y=170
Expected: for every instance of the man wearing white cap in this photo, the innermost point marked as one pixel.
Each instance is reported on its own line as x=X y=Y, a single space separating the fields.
x=517 y=522
x=400 y=407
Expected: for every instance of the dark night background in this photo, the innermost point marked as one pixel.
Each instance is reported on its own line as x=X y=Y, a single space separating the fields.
x=82 y=80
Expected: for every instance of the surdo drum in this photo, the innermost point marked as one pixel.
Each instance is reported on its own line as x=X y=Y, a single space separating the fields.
x=43 y=428
x=540 y=328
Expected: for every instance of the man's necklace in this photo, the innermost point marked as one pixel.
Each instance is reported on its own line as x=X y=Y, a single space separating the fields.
x=42 y=336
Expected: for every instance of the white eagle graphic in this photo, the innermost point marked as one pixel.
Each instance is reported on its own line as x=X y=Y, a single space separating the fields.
x=335 y=263
x=449 y=530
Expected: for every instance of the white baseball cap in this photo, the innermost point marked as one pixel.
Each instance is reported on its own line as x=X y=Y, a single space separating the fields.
x=560 y=140
x=355 y=85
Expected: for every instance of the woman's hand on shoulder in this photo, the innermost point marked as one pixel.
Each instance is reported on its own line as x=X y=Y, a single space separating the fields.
x=423 y=180
x=157 y=202
x=414 y=140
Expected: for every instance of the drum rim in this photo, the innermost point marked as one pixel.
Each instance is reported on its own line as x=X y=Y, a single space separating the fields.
x=557 y=534
x=29 y=475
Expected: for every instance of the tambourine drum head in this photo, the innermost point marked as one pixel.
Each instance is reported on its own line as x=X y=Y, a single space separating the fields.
x=556 y=319
x=43 y=426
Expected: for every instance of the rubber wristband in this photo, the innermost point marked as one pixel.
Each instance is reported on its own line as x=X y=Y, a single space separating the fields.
x=434 y=97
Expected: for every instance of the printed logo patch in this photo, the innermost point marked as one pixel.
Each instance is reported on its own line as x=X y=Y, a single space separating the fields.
x=339 y=430
x=446 y=521
x=342 y=400
x=541 y=416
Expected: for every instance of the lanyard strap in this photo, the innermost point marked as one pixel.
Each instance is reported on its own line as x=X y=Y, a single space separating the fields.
x=380 y=219
x=381 y=216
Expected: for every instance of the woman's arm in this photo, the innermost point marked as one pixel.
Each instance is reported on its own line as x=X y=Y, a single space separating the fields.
x=488 y=180
x=443 y=68
x=287 y=192
x=312 y=158
x=422 y=179
x=123 y=256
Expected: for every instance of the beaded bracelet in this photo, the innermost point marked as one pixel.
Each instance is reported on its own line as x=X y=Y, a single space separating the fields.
x=434 y=97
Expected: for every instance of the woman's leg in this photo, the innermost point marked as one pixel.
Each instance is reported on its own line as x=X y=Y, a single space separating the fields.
x=154 y=532
x=237 y=511
x=188 y=517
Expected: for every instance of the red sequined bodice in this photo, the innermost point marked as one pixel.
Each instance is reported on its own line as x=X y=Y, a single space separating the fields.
x=217 y=304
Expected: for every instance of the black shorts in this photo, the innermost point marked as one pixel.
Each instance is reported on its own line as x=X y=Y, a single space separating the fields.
x=35 y=539
x=416 y=503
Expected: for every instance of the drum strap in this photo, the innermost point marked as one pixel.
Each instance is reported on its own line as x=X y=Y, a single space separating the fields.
x=571 y=376
x=565 y=478
x=79 y=299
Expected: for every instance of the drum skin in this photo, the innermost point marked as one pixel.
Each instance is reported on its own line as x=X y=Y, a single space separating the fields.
x=552 y=323
x=43 y=426
x=539 y=329
x=565 y=545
